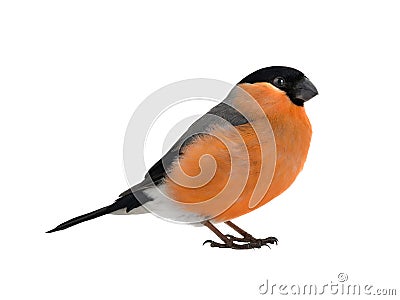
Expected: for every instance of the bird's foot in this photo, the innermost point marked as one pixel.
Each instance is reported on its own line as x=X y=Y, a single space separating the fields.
x=246 y=242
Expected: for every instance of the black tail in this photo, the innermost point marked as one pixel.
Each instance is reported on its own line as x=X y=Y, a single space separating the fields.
x=127 y=201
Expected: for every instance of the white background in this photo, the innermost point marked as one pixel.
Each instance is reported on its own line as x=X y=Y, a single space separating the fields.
x=71 y=75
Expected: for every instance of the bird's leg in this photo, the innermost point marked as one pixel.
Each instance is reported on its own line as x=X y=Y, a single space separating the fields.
x=227 y=242
x=247 y=237
x=248 y=241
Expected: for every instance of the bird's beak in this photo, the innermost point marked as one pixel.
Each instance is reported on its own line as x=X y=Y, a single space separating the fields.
x=304 y=90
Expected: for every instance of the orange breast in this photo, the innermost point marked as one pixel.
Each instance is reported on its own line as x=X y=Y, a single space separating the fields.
x=233 y=161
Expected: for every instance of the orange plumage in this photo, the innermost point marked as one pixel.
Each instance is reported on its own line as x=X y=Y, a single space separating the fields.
x=292 y=133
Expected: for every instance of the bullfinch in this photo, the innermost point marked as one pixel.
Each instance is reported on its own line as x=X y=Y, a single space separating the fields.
x=241 y=154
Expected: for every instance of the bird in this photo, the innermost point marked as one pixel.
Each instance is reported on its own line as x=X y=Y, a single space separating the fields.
x=244 y=152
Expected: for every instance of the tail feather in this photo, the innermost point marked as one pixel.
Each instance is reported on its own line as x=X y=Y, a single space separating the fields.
x=127 y=201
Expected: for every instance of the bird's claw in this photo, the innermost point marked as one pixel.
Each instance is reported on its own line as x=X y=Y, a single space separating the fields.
x=244 y=243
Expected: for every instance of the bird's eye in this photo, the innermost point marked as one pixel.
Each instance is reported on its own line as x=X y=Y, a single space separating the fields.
x=279 y=81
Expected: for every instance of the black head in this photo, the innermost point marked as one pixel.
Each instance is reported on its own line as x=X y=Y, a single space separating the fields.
x=296 y=85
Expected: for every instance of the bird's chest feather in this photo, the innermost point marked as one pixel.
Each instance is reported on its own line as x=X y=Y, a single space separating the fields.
x=292 y=139
x=245 y=169
x=236 y=169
